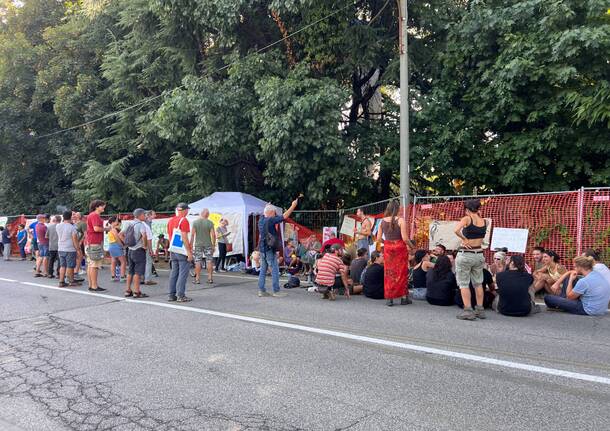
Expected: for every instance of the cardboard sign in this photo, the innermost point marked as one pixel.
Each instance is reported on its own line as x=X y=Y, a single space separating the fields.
x=515 y=240
x=443 y=232
x=348 y=226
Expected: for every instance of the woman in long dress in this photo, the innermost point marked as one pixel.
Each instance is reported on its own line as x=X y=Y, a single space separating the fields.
x=393 y=232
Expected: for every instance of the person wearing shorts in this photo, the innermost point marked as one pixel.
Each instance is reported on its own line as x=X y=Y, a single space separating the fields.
x=94 y=240
x=203 y=238
x=67 y=244
x=470 y=260
x=42 y=262
x=137 y=256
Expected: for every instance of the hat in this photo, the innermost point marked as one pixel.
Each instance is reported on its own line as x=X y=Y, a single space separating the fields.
x=335 y=247
x=138 y=212
x=182 y=206
x=500 y=255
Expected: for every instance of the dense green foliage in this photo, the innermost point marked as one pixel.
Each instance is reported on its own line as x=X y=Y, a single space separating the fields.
x=506 y=96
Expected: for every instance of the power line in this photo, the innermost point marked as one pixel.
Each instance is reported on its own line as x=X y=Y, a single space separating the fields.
x=150 y=99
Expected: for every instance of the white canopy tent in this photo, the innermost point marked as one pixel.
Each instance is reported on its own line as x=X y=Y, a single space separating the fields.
x=236 y=208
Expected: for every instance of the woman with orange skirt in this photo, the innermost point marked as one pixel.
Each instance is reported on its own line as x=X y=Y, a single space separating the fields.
x=393 y=232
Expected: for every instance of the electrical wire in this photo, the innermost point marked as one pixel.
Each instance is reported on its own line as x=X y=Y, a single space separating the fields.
x=150 y=99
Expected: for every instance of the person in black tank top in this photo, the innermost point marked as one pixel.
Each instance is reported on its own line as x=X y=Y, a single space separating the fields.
x=470 y=261
x=421 y=268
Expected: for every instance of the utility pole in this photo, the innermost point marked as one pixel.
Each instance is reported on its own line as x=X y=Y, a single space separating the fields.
x=405 y=173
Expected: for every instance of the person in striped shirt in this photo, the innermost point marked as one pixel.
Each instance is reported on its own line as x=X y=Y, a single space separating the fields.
x=331 y=273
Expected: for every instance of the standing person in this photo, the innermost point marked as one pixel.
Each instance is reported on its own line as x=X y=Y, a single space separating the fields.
x=67 y=246
x=148 y=273
x=94 y=240
x=42 y=237
x=137 y=246
x=514 y=295
x=588 y=296
x=268 y=245
x=222 y=234
x=34 y=243
x=396 y=267
x=116 y=249
x=53 y=250
x=81 y=231
x=6 y=242
x=363 y=234
x=22 y=240
x=180 y=264
x=470 y=261
x=203 y=238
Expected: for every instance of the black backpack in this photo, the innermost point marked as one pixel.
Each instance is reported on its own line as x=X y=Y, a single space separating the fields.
x=270 y=239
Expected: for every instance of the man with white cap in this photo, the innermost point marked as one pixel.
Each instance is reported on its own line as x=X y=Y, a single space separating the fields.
x=268 y=245
x=180 y=263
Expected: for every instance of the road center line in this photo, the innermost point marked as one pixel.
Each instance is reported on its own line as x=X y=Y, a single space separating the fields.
x=347 y=336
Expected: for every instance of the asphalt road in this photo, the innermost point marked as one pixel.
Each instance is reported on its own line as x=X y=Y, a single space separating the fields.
x=232 y=361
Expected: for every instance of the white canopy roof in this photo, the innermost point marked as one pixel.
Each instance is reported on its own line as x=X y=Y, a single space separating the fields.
x=235 y=202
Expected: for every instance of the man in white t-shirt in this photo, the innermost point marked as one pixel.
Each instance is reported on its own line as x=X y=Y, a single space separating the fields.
x=67 y=246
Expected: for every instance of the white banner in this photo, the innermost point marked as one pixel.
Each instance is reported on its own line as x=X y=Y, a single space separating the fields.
x=515 y=240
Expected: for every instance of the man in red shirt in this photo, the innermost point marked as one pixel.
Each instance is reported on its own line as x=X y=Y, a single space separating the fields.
x=42 y=237
x=330 y=266
x=180 y=260
x=94 y=241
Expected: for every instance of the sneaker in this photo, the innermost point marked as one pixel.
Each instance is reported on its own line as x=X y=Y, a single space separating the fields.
x=479 y=312
x=279 y=294
x=184 y=299
x=467 y=314
x=536 y=309
x=262 y=294
x=172 y=299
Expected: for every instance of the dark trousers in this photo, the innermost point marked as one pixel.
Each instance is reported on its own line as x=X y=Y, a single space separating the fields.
x=569 y=305
x=222 y=255
x=53 y=262
x=22 y=251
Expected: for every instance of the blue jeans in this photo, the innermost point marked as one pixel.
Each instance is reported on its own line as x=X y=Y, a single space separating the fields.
x=22 y=250
x=269 y=258
x=178 y=275
x=571 y=306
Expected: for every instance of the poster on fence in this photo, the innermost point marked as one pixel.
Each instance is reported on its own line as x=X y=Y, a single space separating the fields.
x=3 y=221
x=348 y=226
x=515 y=240
x=328 y=233
x=443 y=233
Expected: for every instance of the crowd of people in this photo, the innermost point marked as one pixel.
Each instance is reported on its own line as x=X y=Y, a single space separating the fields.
x=395 y=271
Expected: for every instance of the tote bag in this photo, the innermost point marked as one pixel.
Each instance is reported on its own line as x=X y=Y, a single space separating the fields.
x=176 y=243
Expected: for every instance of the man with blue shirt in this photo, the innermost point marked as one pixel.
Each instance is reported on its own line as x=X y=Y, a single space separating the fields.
x=268 y=233
x=591 y=294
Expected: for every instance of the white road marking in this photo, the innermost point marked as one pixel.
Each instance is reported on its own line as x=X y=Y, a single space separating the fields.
x=8 y=279
x=346 y=335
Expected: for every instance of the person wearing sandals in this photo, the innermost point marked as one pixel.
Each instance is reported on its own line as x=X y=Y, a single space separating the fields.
x=393 y=232
x=470 y=260
x=137 y=255
x=115 y=249
x=203 y=238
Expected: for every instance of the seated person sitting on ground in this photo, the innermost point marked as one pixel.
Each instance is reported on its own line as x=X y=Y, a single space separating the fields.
x=162 y=248
x=288 y=252
x=560 y=286
x=358 y=265
x=372 y=283
x=588 y=296
x=441 y=285
x=551 y=272
x=499 y=264
x=421 y=268
x=489 y=291
x=537 y=256
x=439 y=250
x=329 y=266
x=255 y=263
x=515 y=293
x=295 y=266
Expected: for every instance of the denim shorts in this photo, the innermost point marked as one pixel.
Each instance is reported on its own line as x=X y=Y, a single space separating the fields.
x=67 y=259
x=469 y=268
x=43 y=250
x=115 y=250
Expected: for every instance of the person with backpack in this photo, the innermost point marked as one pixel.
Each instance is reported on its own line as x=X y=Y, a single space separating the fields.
x=136 y=242
x=269 y=244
